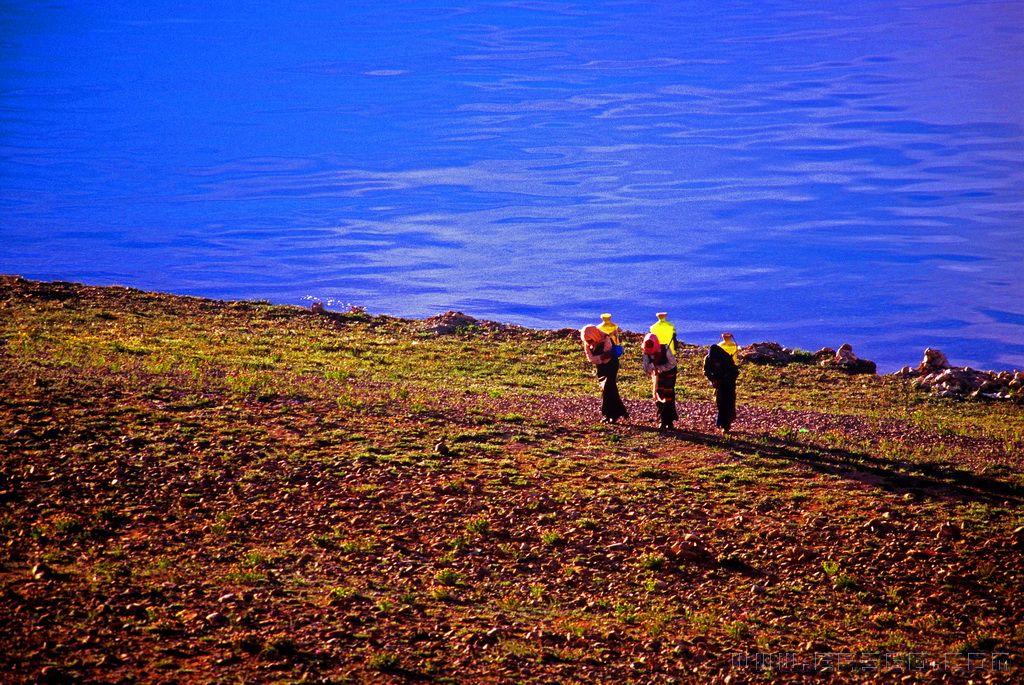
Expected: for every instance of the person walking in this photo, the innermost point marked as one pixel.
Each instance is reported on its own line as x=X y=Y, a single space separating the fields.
x=721 y=370
x=598 y=348
x=660 y=364
x=728 y=343
x=665 y=331
x=612 y=329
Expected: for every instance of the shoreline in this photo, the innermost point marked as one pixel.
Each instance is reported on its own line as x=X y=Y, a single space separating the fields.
x=798 y=354
x=887 y=364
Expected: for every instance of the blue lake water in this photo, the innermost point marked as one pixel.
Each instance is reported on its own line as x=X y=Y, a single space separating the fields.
x=812 y=173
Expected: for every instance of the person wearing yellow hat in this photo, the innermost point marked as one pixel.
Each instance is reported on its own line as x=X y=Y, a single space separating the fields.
x=728 y=343
x=598 y=348
x=721 y=370
x=665 y=331
x=612 y=329
x=660 y=364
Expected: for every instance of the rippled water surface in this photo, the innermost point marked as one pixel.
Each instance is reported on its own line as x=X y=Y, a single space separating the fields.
x=811 y=173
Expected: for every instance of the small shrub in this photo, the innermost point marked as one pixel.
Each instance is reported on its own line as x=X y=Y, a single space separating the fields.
x=785 y=433
x=845 y=582
x=977 y=644
x=447 y=577
x=340 y=595
x=653 y=473
x=702 y=620
x=626 y=612
x=353 y=546
x=254 y=559
x=66 y=526
x=442 y=594
x=453 y=487
x=245 y=577
x=738 y=630
x=322 y=540
x=551 y=538
x=479 y=526
x=653 y=562
x=385 y=662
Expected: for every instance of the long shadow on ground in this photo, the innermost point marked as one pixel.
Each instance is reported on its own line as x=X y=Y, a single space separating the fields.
x=891 y=474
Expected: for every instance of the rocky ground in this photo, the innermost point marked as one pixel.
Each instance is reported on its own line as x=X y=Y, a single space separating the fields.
x=198 y=491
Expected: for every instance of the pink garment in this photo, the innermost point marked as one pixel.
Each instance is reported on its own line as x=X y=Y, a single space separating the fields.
x=596 y=345
x=651 y=344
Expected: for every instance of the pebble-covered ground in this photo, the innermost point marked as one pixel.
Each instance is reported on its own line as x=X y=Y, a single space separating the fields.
x=195 y=491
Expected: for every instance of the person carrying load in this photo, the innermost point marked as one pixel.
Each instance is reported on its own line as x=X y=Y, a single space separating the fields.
x=612 y=329
x=728 y=344
x=599 y=350
x=660 y=364
x=665 y=331
x=721 y=371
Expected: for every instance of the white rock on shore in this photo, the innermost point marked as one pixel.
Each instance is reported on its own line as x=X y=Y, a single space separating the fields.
x=935 y=375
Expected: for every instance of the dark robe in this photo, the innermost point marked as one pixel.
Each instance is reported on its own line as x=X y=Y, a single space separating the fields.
x=721 y=370
x=612 y=407
x=665 y=392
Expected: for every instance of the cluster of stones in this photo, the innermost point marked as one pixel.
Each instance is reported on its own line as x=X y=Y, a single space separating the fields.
x=449 y=322
x=773 y=353
x=935 y=374
x=456 y=322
